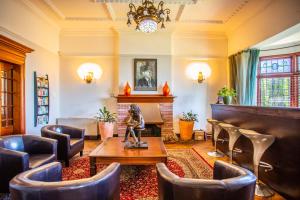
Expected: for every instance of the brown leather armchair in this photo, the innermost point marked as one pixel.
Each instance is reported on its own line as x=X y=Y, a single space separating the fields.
x=44 y=183
x=229 y=182
x=70 y=140
x=19 y=153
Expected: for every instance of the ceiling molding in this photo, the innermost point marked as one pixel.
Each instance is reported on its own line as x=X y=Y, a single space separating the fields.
x=179 y=13
x=35 y=10
x=110 y=11
x=86 y=19
x=199 y=35
x=203 y=21
x=237 y=10
x=183 y=2
x=54 y=9
x=88 y=32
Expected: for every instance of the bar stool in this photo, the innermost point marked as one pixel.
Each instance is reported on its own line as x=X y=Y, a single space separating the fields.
x=216 y=130
x=261 y=143
x=234 y=134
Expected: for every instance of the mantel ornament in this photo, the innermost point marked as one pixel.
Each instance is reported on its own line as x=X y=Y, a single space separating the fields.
x=135 y=124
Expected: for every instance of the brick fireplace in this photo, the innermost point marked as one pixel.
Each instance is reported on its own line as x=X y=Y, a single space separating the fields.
x=161 y=113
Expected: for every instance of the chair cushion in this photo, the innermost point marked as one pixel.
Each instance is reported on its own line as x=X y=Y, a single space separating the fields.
x=74 y=141
x=37 y=160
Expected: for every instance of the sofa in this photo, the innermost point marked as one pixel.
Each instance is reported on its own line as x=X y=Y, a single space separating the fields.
x=229 y=182
x=70 y=140
x=19 y=153
x=45 y=183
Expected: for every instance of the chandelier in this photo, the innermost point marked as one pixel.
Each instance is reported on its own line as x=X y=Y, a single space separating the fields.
x=147 y=17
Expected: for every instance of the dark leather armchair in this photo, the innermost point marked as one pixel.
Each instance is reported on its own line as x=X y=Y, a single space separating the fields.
x=44 y=183
x=19 y=153
x=229 y=182
x=70 y=140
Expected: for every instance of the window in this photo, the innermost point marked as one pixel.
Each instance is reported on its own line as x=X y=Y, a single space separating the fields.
x=278 y=81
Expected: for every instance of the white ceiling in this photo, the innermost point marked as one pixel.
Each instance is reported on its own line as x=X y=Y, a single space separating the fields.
x=208 y=15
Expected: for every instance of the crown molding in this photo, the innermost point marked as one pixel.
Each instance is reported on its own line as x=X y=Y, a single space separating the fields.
x=35 y=10
x=54 y=9
x=200 y=35
x=88 y=32
x=156 y=1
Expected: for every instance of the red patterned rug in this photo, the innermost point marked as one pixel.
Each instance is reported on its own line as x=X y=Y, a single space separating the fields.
x=140 y=182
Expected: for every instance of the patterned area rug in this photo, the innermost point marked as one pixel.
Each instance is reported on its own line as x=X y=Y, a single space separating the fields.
x=140 y=182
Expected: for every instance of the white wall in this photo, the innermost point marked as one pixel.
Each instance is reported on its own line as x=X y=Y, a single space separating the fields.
x=19 y=22
x=190 y=94
x=79 y=99
x=276 y=17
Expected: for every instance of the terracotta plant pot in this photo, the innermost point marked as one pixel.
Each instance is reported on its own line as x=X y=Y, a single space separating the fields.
x=106 y=129
x=186 y=129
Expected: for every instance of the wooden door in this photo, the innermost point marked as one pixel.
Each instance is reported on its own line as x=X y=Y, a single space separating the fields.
x=9 y=98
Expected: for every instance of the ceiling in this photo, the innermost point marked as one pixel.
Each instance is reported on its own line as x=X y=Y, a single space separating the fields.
x=205 y=15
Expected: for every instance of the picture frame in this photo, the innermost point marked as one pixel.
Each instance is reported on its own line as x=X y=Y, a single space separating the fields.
x=145 y=74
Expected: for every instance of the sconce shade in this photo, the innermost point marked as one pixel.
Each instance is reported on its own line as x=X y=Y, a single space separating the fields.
x=89 y=72
x=193 y=70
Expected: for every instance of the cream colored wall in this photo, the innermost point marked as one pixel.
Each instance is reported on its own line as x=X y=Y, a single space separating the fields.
x=23 y=19
x=43 y=62
x=190 y=94
x=79 y=99
x=277 y=16
x=22 y=23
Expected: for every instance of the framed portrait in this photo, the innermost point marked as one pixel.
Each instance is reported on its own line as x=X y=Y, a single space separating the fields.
x=145 y=74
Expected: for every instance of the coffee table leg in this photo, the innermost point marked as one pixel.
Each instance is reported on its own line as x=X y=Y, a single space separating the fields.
x=93 y=167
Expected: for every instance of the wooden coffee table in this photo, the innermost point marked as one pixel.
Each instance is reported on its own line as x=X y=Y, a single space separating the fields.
x=112 y=150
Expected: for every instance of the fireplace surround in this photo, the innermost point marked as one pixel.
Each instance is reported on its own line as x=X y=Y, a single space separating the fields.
x=156 y=109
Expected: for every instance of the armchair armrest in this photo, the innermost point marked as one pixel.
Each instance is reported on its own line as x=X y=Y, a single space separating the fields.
x=74 y=132
x=39 y=145
x=11 y=163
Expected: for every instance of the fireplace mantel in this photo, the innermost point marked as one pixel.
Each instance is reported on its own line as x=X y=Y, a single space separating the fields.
x=145 y=98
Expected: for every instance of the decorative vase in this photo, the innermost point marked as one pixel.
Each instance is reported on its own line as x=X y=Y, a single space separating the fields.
x=166 y=89
x=127 y=89
x=106 y=129
x=227 y=100
x=186 y=130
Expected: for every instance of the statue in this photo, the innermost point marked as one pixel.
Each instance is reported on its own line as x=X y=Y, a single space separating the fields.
x=135 y=124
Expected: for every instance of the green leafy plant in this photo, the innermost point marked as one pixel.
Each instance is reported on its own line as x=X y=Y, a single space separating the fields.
x=225 y=92
x=189 y=116
x=105 y=115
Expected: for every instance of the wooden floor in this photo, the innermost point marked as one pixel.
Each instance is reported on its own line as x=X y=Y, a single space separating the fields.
x=201 y=146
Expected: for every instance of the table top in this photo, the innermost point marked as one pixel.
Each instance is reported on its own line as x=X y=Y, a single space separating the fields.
x=114 y=147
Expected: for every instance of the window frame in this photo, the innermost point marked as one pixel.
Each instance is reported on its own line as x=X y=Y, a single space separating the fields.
x=293 y=75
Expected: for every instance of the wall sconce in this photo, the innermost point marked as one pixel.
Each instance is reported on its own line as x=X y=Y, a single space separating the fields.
x=198 y=71
x=89 y=72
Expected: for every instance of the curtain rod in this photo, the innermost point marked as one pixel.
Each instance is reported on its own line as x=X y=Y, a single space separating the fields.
x=296 y=45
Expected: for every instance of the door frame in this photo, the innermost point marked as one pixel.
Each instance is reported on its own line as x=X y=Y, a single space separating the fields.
x=14 y=52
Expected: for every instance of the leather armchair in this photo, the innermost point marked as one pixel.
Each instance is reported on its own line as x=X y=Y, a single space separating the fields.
x=229 y=182
x=44 y=183
x=70 y=140
x=19 y=153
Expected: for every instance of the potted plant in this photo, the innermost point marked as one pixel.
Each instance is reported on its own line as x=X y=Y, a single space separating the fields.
x=186 y=125
x=106 y=121
x=227 y=94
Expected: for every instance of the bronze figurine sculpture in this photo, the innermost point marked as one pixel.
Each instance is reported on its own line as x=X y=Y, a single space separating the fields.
x=135 y=124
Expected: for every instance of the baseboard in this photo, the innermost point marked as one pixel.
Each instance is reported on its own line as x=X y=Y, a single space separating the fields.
x=91 y=137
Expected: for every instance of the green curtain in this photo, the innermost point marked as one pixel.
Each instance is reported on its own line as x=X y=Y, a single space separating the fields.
x=243 y=68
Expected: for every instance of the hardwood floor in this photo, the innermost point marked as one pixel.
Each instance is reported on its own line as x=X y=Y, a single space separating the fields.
x=202 y=147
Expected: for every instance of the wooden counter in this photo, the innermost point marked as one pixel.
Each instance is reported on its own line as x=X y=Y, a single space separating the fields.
x=283 y=155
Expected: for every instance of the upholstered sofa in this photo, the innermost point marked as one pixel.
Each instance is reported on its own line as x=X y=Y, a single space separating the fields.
x=70 y=140
x=44 y=183
x=19 y=153
x=229 y=182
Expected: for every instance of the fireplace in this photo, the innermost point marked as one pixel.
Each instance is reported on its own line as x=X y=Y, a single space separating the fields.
x=157 y=111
